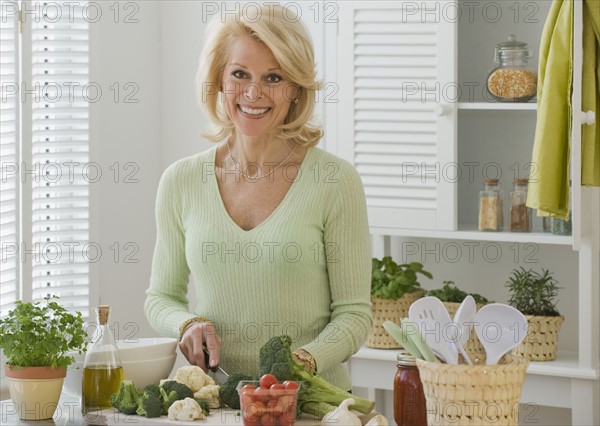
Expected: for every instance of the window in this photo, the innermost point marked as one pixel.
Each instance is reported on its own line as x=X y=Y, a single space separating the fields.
x=45 y=168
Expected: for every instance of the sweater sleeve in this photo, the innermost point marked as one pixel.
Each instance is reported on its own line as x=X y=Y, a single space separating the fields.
x=166 y=305
x=348 y=254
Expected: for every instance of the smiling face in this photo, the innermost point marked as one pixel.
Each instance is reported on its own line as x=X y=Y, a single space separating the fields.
x=257 y=97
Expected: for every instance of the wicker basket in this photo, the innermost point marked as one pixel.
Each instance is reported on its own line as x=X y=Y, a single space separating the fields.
x=476 y=394
x=392 y=310
x=542 y=338
x=473 y=344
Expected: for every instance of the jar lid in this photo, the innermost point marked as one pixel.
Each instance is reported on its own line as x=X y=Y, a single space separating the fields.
x=511 y=44
x=491 y=181
x=512 y=48
x=406 y=358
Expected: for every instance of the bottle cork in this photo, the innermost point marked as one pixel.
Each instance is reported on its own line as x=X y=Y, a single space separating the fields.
x=103 y=313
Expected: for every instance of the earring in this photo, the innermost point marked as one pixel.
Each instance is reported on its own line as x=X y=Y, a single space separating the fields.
x=296 y=100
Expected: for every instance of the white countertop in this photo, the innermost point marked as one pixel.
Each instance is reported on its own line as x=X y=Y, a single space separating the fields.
x=68 y=413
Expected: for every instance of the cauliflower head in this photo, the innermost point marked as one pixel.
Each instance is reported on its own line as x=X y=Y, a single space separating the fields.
x=193 y=377
x=209 y=394
x=186 y=410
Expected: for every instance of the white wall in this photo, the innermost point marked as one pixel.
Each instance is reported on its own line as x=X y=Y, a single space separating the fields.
x=125 y=132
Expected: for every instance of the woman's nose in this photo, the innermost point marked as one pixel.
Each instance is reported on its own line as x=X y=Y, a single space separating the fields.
x=253 y=92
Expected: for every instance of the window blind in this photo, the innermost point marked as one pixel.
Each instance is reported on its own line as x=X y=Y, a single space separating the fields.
x=9 y=182
x=55 y=162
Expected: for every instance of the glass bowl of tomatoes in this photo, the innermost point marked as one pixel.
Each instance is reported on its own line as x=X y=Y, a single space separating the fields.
x=266 y=402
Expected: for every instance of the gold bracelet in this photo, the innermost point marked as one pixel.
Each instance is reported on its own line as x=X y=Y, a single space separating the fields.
x=187 y=323
x=306 y=357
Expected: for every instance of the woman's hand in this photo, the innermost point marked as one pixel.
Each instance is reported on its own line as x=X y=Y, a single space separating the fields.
x=195 y=337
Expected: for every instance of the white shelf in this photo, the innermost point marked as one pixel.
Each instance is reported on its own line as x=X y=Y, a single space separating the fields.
x=565 y=365
x=466 y=232
x=498 y=106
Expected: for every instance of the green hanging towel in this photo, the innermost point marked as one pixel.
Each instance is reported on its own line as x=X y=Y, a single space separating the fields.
x=590 y=135
x=549 y=184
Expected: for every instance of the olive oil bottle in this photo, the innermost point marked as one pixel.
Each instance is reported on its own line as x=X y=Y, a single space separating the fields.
x=102 y=369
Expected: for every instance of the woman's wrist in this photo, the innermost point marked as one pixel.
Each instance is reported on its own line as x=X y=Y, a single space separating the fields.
x=306 y=359
x=188 y=323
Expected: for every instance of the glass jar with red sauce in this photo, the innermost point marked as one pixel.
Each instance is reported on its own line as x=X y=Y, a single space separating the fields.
x=409 y=400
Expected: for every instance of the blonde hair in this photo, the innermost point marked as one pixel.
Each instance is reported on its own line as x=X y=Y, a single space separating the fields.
x=285 y=35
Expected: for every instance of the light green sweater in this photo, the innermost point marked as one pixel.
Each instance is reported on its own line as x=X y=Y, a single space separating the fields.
x=305 y=271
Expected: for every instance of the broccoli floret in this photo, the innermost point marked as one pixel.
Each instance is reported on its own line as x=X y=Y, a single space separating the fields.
x=171 y=391
x=183 y=391
x=149 y=405
x=125 y=400
x=153 y=389
x=228 y=393
x=316 y=395
x=203 y=406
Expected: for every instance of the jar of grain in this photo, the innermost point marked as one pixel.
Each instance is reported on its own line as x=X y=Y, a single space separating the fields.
x=511 y=79
x=491 y=217
x=520 y=214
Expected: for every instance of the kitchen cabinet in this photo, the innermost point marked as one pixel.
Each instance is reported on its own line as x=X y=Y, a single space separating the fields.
x=417 y=124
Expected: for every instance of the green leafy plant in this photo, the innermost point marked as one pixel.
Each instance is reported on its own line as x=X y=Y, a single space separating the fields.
x=450 y=293
x=41 y=334
x=533 y=293
x=391 y=281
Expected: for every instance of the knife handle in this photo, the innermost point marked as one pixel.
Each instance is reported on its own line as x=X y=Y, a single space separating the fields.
x=206 y=358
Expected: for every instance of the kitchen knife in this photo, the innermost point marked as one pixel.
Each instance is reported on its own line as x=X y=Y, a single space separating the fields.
x=217 y=373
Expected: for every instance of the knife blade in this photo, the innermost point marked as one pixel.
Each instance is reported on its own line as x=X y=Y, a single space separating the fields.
x=218 y=374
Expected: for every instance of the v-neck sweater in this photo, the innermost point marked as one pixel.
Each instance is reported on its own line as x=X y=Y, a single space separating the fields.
x=305 y=271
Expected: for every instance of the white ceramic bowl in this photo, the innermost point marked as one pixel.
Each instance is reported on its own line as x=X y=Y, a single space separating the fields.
x=145 y=361
x=144 y=372
x=146 y=348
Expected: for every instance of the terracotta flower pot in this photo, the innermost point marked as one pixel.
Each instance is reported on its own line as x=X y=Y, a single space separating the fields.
x=35 y=390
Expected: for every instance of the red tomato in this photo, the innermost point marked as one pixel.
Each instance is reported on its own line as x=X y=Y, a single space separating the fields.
x=290 y=384
x=254 y=410
x=262 y=394
x=249 y=386
x=268 y=419
x=286 y=419
x=267 y=380
x=277 y=386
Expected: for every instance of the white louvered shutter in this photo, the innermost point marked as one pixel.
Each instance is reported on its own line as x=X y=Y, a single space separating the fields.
x=397 y=114
x=9 y=160
x=60 y=155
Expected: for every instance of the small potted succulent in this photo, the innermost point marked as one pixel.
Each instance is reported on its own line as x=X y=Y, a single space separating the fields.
x=393 y=289
x=35 y=338
x=452 y=296
x=534 y=294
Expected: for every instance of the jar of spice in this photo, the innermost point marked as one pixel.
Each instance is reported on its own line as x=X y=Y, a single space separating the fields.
x=410 y=408
x=491 y=217
x=520 y=214
x=511 y=80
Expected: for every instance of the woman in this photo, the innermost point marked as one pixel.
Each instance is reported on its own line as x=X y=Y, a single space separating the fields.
x=273 y=229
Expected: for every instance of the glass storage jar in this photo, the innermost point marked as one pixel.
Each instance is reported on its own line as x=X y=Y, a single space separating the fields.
x=511 y=80
x=520 y=214
x=491 y=217
x=410 y=407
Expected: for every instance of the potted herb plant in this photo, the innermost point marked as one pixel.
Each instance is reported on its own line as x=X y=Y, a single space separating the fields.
x=35 y=338
x=452 y=296
x=393 y=289
x=534 y=294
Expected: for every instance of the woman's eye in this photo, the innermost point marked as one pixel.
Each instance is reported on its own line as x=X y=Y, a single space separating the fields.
x=238 y=74
x=273 y=78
